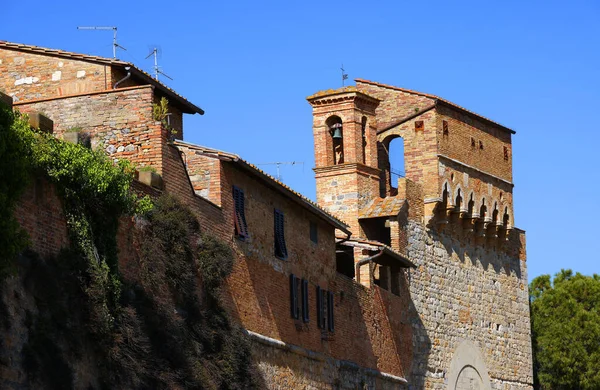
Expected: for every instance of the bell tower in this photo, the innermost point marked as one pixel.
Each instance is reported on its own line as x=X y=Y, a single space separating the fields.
x=345 y=136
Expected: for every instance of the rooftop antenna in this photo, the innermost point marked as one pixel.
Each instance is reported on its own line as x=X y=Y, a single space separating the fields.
x=344 y=75
x=115 y=44
x=279 y=163
x=155 y=52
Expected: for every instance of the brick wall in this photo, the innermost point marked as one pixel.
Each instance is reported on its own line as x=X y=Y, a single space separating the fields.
x=27 y=76
x=118 y=121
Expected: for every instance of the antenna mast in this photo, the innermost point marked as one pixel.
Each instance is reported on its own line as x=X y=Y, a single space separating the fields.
x=157 y=70
x=115 y=44
x=279 y=163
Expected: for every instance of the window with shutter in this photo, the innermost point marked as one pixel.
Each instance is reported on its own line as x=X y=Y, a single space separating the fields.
x=313 y=232
x=330 y=323
x=305 y=306
x=295 y=308
x=279 y=235
x=239 y=218
x=319 y=306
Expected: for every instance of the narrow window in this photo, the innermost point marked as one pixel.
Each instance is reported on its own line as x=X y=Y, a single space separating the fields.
x=481 y=145
x=295 y=309
x=280 y=249
x=321 y=307
x=313 y=232
x=445 y=127
x=305 y=307
x=472 y=142
x=330 y=302
x=505 y=153
x=419 y=126
x=241 y=228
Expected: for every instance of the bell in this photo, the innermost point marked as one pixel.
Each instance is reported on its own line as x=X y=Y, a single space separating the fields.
x=337 y=131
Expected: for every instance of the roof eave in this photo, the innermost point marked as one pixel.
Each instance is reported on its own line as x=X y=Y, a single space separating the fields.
x=191 y=108
x=290 y=194
x=479 y=117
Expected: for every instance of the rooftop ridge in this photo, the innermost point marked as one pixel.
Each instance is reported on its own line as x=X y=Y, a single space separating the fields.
x=102 y=60
x=237 y=159
x=436 y=98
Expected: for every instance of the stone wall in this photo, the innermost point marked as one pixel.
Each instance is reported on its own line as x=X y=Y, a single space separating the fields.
x=464 y=291
x=286 y=366
x=118 y=122
x=28 y=76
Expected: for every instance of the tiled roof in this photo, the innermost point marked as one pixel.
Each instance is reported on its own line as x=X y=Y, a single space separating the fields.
x=436 y=98
x=377 y=246
x=382 y=207
x=107 y=61
x=268 y=179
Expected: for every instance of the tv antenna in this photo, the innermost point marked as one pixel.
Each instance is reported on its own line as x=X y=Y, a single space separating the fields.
x=344 y=75
x=114 y=29
x=279 y=163
x=155 y=52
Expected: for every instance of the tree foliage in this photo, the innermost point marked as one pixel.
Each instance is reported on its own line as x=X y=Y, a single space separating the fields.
x=565 y=321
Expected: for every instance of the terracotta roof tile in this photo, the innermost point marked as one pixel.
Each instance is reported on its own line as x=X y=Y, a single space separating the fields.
x=382 y=207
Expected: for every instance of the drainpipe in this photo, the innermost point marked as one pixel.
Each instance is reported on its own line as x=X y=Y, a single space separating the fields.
x=127 y=68
x=365 y=261
x=344 y=239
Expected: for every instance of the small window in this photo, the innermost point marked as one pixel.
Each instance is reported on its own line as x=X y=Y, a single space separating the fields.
x=480 y=145
x=472 y=142
x=313 y=232
x=305 y=306
x=325 y=303
x=294 y=306
x=505 y=153
x=445 y=128
x=330 y=311
x=419 y=126
x=241 y=228
x=280 y=249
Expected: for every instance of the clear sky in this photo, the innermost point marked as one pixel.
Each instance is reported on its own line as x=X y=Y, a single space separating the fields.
x=530 y=65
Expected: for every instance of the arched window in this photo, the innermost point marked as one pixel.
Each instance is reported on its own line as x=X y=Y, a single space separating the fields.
x=334 y=124
x=396 y=157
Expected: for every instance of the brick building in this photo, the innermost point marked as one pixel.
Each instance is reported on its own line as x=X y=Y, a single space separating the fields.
x=421 y=284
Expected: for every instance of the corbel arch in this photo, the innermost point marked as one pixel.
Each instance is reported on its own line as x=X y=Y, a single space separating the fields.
x=467 y=363
x=459 y=198
x=447 y=195
x=471 y=204
x=483 y=208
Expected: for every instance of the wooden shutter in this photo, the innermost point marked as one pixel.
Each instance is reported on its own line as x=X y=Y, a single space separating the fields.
x=279 y=235
x=305 y=306
x=319 y=306
x=241 y=228
x=294 y=308
x=330 y=302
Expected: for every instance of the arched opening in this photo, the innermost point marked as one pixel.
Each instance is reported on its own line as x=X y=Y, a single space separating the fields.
x=363 y=127
x=495 y=213
x=334 y=124
x=483 y=209
x=505 y=218
x=396 y=159
x=471 y=205
x=458 y=202
x=445 y=194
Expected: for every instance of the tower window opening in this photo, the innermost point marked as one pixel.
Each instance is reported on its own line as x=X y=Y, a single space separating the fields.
x=364 y=139
x=419 y=126
x=445 y=128
x=505 y=153
x=396 y=152
x=334 y=124
x=472 y=142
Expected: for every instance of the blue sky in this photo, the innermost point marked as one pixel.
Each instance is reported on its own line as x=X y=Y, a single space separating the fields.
x=532 y=66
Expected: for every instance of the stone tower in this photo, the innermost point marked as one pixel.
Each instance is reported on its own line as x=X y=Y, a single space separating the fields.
x=451 y=214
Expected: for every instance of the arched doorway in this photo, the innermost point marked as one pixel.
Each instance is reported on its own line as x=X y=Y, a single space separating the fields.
x=467 y=369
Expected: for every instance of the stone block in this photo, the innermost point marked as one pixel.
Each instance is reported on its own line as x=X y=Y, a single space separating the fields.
x=41 y=122
x=151 y=179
